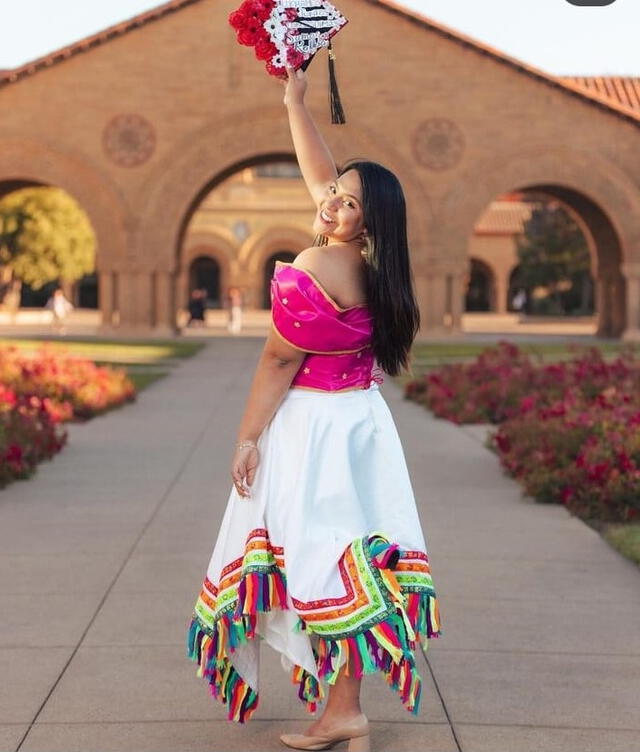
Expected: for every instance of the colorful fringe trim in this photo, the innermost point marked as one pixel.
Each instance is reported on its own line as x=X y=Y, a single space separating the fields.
x=258 y=592
x=388 y=646
x=310 y=690
x=409 y=616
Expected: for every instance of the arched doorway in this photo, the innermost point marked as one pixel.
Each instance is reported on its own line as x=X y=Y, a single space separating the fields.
x=253 y=214
x=555 y=249
x=49 y=241
x=87 y=291
x=480 y=295
x=204 y=274
x=269 y=267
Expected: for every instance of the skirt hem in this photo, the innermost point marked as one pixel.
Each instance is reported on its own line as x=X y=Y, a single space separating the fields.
x=386 y=644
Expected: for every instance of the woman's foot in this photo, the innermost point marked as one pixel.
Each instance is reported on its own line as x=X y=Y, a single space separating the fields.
x=329 y=722
x=332 y=729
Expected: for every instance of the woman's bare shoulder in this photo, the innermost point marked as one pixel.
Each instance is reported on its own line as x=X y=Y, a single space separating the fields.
x=339 y=273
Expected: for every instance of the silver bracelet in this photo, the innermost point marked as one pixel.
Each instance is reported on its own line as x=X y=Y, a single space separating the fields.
x=247 y=443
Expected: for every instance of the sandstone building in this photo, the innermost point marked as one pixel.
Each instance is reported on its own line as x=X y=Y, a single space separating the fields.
x=141 y=121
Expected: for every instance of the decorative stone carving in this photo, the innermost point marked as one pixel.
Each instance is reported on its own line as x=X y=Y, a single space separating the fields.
x=438 y=144
x=129 y=140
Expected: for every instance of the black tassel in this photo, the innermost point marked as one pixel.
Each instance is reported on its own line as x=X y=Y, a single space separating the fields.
x=337 y=113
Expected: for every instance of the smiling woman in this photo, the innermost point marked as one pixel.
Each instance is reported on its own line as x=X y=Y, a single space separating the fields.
x=321 y=552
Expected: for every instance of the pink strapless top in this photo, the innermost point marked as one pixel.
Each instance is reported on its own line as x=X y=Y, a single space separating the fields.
x=337 y=340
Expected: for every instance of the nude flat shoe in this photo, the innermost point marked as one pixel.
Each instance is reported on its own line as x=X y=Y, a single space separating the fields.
x=356 y=733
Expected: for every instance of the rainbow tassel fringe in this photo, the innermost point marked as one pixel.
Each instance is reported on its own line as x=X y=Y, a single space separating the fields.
x=257 y=592
x=310 y=690
x=386 y=647
x=225 y=682
x=424 y=615
x=384 y=555
x=408 y=613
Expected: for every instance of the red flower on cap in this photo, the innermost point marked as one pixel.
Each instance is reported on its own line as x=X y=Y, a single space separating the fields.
x=276 y=70
x=249 y=36
x=265 y=50
x=262 y=8
x=237 y=19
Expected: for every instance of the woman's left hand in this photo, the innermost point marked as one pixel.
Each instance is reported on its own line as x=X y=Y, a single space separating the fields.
x=243 y=468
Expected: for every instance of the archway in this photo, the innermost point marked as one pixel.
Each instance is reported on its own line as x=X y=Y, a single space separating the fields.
x=480 y=295
x=501 y=230
x=27 y=162
x=240 y=223
x=269 y=268
x=597 y=194
x=204 y=274
x=49 y=242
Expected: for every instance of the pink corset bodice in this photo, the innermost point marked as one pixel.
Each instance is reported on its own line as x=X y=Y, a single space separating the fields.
x=337 y=340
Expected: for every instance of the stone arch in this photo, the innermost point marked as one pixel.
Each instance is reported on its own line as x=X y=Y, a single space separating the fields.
x=259 y=249
x=259 y=246
x=596 y=192
x=200 y=162
x=200 y=272
x=219 y=245
x=26 y=162
x=481 y=287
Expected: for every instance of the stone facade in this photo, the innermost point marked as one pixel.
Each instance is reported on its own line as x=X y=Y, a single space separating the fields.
x=141 y=122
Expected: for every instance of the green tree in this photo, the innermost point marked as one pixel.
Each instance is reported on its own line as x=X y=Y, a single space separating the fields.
x=553 y=253
x=45 y=236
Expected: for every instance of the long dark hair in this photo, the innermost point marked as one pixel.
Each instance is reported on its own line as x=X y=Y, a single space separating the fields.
x=390 y=293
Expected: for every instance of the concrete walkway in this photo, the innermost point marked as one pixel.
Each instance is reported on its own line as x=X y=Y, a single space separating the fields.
x=103 y=552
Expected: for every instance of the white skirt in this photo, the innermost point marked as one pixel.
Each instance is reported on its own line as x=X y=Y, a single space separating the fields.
x=326 y=561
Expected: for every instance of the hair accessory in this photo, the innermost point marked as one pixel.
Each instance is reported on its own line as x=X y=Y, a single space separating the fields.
x=289 y=33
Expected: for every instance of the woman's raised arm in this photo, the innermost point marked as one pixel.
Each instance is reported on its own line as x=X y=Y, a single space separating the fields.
x=315 y=160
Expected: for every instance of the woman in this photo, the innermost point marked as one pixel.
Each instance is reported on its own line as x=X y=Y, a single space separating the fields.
x=320 y=551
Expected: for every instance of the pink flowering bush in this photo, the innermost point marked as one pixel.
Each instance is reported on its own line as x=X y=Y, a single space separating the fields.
x=569 y=432
x=39 y=393
x=585 y=455
x=29 y=433
x=76 y=388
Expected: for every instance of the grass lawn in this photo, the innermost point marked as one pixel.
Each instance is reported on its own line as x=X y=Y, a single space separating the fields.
x=145 y=361
x=626 y=539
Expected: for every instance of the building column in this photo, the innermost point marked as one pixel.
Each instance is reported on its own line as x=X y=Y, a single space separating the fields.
x=501 y=278
x=106 y=297
x=165 y=313
x=631 y=272
x=440 y=291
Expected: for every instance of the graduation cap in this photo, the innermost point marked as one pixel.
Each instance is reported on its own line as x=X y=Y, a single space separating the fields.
x=289 y=33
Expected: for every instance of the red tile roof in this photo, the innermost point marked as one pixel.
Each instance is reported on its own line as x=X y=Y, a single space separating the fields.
x=622 y=89
x=569 y=86
x=504 y=217
x=599 y=96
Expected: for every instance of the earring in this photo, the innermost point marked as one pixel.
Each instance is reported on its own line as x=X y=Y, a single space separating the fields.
x=367 y=251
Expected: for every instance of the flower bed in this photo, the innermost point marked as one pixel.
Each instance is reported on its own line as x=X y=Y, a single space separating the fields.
x=29 y=433
x=569 y=432
x=75 y=388
x=38 y=393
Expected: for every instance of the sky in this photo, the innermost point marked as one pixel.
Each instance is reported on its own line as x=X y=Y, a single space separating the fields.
x=559 y=38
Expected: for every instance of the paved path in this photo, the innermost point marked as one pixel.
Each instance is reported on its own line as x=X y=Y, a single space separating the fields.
x=102 y=555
